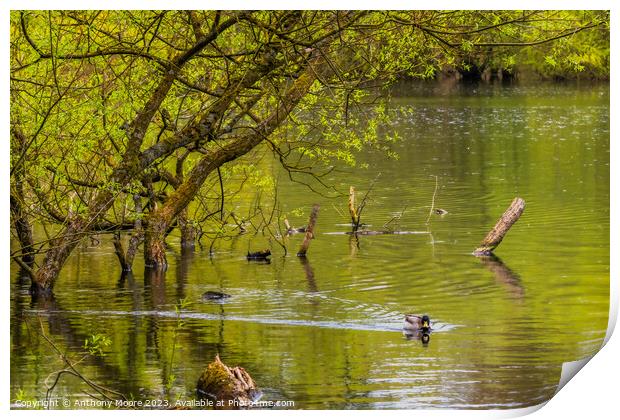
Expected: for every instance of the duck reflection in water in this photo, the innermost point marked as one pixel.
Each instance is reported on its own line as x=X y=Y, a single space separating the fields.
x=424 y=337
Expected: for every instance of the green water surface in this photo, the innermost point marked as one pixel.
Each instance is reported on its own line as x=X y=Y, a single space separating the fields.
x=326 y=332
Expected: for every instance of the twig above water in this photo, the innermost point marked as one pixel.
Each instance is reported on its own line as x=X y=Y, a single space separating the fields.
x=430 y=213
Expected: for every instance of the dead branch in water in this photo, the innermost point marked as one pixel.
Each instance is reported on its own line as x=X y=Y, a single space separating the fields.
x=356 y=211
x=355 y=218
x=495 y=236
x=303 y=249
x=430 y=213
x=396 y=219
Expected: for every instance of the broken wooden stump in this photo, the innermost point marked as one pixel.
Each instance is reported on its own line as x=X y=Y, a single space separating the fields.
x=303 y=249
x=355 y=218
x=228 y=388
x=495 y=236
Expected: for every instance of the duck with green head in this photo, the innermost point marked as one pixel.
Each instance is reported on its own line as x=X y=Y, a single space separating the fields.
x=417 y=323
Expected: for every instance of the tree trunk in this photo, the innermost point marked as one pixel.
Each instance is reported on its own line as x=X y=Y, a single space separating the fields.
x=161 y=219
x=137 y=237
x=495 y=236
x=188 y=231
x=132 y=249
x=155 y=245
x=24 y=231
x=22 y=225
x=120 y=251
x=132 y=164
x=57 y=254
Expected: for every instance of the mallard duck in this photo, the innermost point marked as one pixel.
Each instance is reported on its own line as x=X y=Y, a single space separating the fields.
x=417 y=323
x=211 y=295
x=259 y=255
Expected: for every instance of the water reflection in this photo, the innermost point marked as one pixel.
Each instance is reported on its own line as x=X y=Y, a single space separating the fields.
x=309 y=273
x=184 y=261
x=504 y=275
x=155 y=286
x=66 y=343
x=423 y=337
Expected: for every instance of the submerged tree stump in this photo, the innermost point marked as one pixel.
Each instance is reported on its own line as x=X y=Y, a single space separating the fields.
x=495 y=236
x=228 y=388
x=355 y=218
x=303 y=249
x=119 y=250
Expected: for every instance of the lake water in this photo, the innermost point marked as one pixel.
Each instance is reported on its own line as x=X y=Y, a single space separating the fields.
x=326 y=333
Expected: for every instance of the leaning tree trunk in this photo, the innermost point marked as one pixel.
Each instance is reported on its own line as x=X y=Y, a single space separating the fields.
x=161 y=219
x=132 y=164
x=496 y=235
x=78 y=227
x=59 y=250
x=23 y=228
x=22 y=225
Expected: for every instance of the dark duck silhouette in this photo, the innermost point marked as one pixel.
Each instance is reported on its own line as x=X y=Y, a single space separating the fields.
x=259 y=255
x=211 y=295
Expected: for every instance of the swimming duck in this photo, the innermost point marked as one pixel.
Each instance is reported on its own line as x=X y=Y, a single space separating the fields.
x=417 y=323
x=441 y=212
x=211 y=295
x=259 y=255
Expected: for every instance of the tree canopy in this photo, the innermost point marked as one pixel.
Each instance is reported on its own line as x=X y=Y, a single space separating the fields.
x=122 y=120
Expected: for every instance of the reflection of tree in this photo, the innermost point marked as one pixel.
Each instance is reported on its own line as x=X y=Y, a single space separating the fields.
x=504 y=275
x=315 y=301
x=309 y=274
x=59 y=324
x=354 y=245
x=19 y=305
x=183 y=264
x=155 y=286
